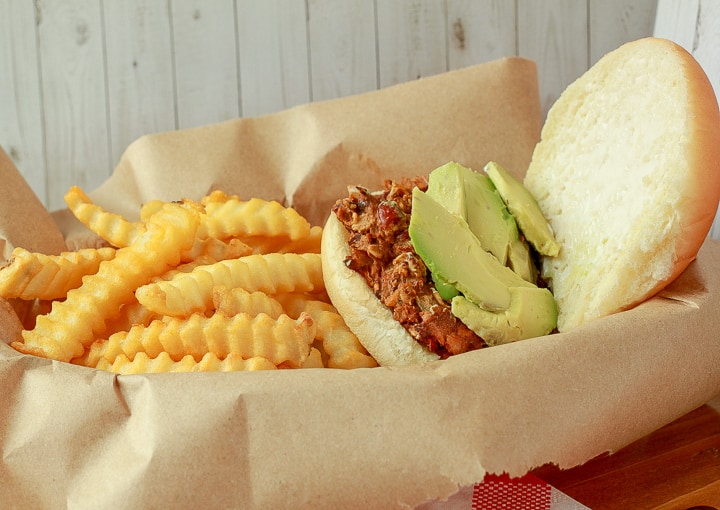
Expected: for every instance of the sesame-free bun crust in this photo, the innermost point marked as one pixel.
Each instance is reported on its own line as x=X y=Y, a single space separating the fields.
x=366 y=316
x=627 y=172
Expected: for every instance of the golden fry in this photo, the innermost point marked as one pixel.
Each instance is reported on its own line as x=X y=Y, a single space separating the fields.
x=343 y=348
x=149 y=208
x=233 y=217
x=282 y=340
x=283 y=244
x=130 y=314
x=142 y=364
x=186 y=267
x=112 y=227
x=229 y=302
x=217 y=196
x=220 y=284
x=270 y=273
x=71 y=326
x=28 y=275
x=216 y=249
x=120 y=232
x=314 y=359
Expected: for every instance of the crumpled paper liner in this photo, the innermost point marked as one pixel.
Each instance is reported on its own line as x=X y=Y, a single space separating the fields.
x=24 y=221
x=368 y=438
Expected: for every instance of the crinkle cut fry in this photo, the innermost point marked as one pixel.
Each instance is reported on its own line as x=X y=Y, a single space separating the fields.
x=282 y=341
x=71 y=326
x=271 y=273
x=314 y=359
x=120 y=232
x=112 y=227
x=29 y=275
x=231 y=302
x=128 y=315
x=143 y=364
x=216 y=249
x=343 y=348
x=283 y=244
x=232 y=217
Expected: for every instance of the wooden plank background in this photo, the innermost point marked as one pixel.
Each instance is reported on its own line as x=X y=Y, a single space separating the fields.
x=81 y=79
x=695 y=25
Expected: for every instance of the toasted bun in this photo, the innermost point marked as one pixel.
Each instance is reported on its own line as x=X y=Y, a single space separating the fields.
x=366 y=316
x=628 y=174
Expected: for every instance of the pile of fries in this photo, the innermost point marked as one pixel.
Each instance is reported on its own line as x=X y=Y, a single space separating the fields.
x=219 y=284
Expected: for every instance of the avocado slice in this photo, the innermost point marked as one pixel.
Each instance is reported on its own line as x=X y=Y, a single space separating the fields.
x=446 y=185
x=446 y=290
x=487 y=216
x=525 y=209
x=472 y=196
x=532 y=312
x=452 y=252
x=521 y=262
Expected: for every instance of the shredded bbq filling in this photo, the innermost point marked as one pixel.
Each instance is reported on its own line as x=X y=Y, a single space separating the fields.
x=381 y=251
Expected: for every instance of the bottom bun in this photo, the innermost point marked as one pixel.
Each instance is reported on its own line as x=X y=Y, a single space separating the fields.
x=372 y=322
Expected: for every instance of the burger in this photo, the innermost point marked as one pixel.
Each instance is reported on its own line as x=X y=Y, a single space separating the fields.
x=625 y=178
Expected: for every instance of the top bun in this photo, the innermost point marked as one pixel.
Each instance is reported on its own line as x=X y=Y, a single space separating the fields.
x=627 y=172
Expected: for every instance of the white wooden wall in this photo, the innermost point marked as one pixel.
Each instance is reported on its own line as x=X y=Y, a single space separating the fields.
x=81 y=79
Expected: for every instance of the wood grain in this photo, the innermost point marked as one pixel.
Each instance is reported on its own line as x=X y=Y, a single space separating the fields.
x=676 y=467
x=618 y=20
x=677 y=20
x=706 y=44
x=75 y=117
x=480 y=31
x=205 y=60
x=274 y=58
x=21 y=127
x=343 y=48
x=81 y=79
x=694 y=25
x=139 y=60
x=555 y=35
x=412 y=40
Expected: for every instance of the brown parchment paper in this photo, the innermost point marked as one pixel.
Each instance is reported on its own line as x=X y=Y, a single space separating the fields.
x=24 y=221
x=370 y=438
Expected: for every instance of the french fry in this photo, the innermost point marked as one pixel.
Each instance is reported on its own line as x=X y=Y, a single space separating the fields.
x=228 y=216
x=270 y=273
x=120 y=232
x=216 y=249
x=142 y=364
x=149 y=208
x=229 y=302
x=283 y=244
x=314 y=359
x=186 y=267
x=29 y=275
x=112 y=227
x=219 y=284
x=71 y=326
x=217 y=196
x=282 y=341
x=130 y=314
x=343 y=348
